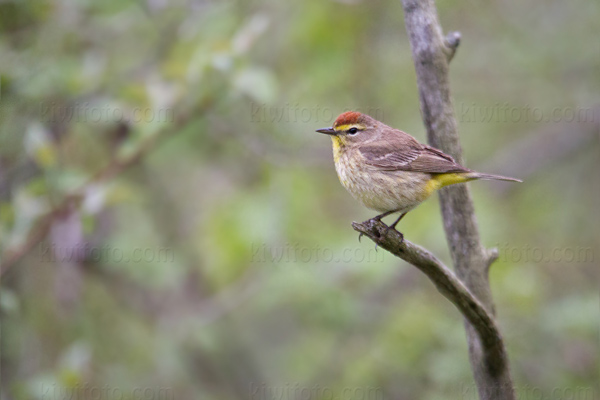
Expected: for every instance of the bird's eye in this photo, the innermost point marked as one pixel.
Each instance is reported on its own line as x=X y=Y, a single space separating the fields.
x=353 y=131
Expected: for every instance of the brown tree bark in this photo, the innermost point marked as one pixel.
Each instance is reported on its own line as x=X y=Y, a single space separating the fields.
x=431 y=55
x=469 y=289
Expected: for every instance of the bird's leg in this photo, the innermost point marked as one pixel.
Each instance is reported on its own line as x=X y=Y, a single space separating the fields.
x=393 y=226
x=385 y=214
x=378 y=219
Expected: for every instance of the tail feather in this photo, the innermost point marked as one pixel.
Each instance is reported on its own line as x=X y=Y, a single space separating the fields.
x=477 y=175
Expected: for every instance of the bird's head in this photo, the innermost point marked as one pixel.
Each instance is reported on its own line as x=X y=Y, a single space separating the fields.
x=352 y=128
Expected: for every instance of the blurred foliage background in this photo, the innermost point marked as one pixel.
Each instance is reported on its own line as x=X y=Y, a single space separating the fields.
x=172 y=227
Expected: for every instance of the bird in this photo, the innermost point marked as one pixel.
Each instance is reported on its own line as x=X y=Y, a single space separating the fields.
x=388 y=170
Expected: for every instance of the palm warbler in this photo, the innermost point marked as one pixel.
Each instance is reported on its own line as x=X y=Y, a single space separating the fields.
x=388 y=170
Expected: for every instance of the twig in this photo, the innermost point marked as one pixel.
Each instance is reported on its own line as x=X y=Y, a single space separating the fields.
x=451 y=41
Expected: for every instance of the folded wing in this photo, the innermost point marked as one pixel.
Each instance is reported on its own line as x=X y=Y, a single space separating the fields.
x=409 y=155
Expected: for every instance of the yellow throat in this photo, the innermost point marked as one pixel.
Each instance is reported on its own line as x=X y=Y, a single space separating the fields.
x=338 y=145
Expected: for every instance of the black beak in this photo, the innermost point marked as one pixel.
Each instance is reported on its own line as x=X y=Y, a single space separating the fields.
x=327 y=131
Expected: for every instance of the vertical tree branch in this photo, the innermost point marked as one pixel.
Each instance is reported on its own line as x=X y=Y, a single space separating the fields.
x=431 y=54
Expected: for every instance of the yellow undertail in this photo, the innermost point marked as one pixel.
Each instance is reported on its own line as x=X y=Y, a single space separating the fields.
x=438 y=181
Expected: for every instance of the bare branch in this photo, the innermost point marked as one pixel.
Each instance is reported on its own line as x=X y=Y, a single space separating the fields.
x=442 y=277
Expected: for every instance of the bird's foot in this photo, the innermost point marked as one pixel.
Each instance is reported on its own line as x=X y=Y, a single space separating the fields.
x=393 y=228
x=401 y=237
x=376 y=235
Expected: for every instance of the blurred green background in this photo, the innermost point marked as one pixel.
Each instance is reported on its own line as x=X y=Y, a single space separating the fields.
x=172 y=227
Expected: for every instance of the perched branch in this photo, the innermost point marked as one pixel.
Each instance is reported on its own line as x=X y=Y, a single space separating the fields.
x=471 y=260
x=442 y=277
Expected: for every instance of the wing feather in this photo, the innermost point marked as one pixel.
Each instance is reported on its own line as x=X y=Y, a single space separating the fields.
x=409 y=155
